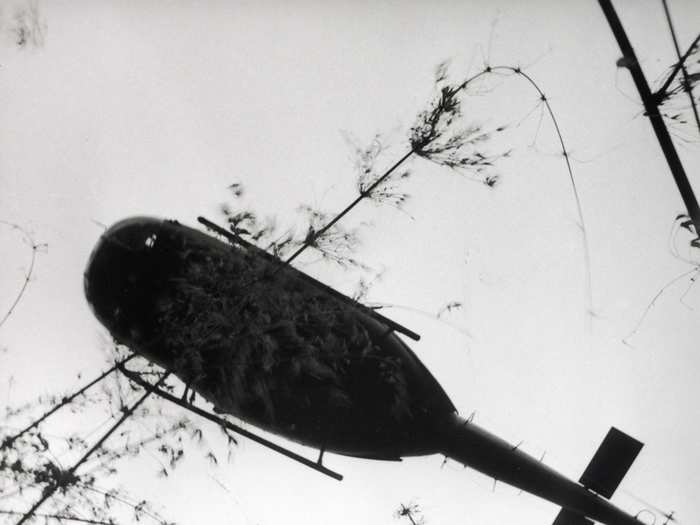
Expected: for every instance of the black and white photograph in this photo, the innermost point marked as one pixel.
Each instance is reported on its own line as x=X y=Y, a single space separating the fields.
x=391 y=262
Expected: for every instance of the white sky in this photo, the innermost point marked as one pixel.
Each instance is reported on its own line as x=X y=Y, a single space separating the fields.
x=156 y=107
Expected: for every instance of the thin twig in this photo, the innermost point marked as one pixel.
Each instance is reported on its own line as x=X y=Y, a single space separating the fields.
x=50 y=489
x=59 y=517
x=661 y=93
x=368 y=191
x=66 y=400
x=363 y=194
x=34 y=246
x=653 y=302
x=124 y=501
x=681 y=61
x=574 y=188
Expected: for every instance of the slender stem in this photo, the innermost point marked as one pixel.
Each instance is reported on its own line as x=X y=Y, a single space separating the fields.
x=367 y=192
x=652 y=111
x=29 y=273
x=574 y=187
x=408 y=512
x=362 y=195
x=59 y=517
x=124 y=501
x=652 y=303
x=684 y=70
x=661 y=93
x=66 y=400
x=127 y=413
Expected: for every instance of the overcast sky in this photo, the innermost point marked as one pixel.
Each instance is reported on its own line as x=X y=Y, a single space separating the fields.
x=154 y=108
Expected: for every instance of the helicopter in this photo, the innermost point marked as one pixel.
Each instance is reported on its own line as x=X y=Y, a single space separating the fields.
x=272 y=346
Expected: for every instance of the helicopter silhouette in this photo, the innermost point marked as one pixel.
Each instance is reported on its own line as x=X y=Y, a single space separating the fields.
x=269 y=344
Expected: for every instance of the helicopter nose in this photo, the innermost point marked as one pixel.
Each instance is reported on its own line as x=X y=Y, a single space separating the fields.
x=117 y=276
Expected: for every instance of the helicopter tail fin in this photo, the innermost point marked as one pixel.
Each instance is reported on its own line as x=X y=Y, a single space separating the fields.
x=604 y=473
x=610 y=463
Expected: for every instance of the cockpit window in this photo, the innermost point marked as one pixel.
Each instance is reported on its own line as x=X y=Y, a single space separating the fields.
x=134 y=235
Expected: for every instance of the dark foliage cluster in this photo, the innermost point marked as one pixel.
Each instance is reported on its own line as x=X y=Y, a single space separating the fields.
x=365 y=163
x=412 y=512
x=256 y=340
x=34 y=464
x=336 y=245
x=678 y=96
x=676 y=108
x=684 y=83
x=438 y=137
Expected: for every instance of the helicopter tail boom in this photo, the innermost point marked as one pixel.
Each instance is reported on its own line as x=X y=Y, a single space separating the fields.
x=477 y=448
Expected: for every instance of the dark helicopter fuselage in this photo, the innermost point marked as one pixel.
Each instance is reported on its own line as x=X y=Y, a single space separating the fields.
x=257 y=340
x=372 y=398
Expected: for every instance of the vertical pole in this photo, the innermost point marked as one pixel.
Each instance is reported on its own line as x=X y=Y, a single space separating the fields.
x=651 y=109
